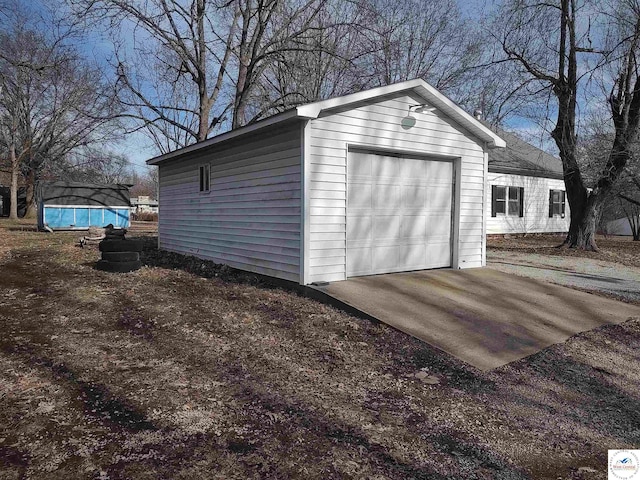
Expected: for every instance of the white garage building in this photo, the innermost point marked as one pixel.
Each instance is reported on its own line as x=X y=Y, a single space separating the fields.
x=386 y=180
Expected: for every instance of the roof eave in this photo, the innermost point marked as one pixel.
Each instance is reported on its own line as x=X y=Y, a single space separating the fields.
x=279 y=118
x=526 y=172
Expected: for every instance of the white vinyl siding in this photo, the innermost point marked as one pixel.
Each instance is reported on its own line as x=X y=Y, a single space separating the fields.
x=379 y=126
x=250 y=217
x=535 y=204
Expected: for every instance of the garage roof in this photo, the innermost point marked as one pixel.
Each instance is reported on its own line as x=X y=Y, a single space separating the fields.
x=313 y=110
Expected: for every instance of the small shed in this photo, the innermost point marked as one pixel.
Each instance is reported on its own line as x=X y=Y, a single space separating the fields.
x=78 y=206
x=385 y=180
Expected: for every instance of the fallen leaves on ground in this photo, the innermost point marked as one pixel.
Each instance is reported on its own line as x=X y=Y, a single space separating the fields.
x=187 y=369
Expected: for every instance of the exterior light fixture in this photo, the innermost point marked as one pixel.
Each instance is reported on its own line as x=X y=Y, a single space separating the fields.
x=409 y=121
x=422 y=108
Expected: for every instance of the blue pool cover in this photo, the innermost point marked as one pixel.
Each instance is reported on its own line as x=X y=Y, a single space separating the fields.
x=78 y=206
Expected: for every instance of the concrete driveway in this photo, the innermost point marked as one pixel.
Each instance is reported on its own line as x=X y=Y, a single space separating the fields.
x=482 y=316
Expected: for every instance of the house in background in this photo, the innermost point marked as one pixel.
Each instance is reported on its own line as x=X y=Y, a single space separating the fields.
x=5 y=201
x=143 y=204
x=621 y=226
x=78 y=206
x=385 y=180
x=526 y=192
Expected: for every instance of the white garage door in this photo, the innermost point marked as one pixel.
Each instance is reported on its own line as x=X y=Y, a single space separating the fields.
x=398 y=214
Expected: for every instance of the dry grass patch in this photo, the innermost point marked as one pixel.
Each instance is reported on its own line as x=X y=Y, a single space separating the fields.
x=184 y=369
x=621 y=250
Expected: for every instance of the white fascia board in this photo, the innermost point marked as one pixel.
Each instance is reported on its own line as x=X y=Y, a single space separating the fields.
x=312 y=110
x=281 y=117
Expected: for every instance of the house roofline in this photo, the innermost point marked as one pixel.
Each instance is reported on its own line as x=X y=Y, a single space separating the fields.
x=526 y=173
x=313 y=110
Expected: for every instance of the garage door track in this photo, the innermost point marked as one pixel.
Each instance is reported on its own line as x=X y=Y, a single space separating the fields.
x=481 y=316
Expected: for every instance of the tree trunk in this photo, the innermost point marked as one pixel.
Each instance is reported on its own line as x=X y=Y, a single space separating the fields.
x=586 y=231
x=31 y=196
x=205 y=102
x=203 y=115
x=239 y=107
x=15 y=170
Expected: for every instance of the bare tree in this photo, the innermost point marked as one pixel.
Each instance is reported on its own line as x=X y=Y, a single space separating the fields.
x=144 y=183
x=548 y=41
x=415 y=39
x=171 y=61
x=195 y=64
x=369 y=43
x=313 y=66
x=266 y=31
x=93 y=165
x=52 y=101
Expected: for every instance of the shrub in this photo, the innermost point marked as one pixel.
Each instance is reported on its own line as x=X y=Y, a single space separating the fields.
x=145 y=217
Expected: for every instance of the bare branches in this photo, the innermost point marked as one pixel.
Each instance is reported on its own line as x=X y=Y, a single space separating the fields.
x=52 y=102
x=209 y=58
x=629 y=199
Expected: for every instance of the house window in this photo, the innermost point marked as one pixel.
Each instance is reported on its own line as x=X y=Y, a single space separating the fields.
x=507 y=201
x=514 y=201
x=499 y=200
x=205 y=176
x=556 y=203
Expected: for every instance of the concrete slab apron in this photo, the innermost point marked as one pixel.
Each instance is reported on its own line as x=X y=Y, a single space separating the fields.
x=484 y=317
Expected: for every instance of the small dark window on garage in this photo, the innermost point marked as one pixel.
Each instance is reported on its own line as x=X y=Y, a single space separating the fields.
x=205 y=176
x=556 y=203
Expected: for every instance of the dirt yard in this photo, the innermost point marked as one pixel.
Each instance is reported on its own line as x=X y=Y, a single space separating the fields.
x=185 y=370
x=622 y=250
x=613 y=272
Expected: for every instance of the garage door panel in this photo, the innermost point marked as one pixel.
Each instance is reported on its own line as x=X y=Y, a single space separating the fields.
x=412 y=255
x=360 y=195
x=439 y=198
x=386 y=227
x=359 y=227
x=414 y=226
x=413 y=171
x=360 y=165
x=440 y=172
x=439 y=224
x=384 y=168
x=414 y=196
x=387 y=196
x=385 y=258
x=399 y=217
x=438 y=255
x=359 y=260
